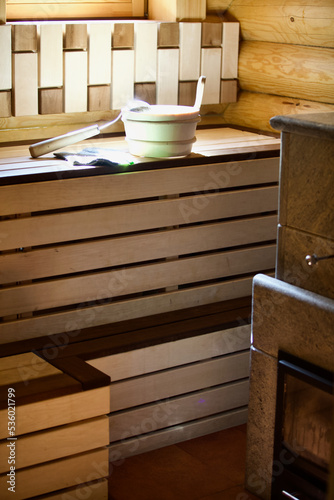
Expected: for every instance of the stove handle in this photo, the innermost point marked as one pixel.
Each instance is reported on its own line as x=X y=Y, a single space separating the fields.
x=312 y=260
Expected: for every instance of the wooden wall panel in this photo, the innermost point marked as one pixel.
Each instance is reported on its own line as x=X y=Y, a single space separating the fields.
x=300 y=72
x=25 y=89
x=51 y=56
x=230 y=52
x=24 y=37
x=123 y=76
x=211 y=68
x=168 y=76
x=75 y=82
x=6 y=57
x=190 y=51
x=99 y=54
x=146 y=52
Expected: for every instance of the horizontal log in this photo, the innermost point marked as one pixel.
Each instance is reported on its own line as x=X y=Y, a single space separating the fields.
x=287 y=70
x=254 y=110
x=300 y=22
x=74 y=320
x=100 y=286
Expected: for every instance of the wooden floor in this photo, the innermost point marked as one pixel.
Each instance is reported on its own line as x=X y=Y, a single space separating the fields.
x=211 y=467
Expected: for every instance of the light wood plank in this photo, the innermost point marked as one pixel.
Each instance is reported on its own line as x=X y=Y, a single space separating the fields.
x=66 y=259
x=122 y=89
x=190 y=51
x=172 y=354
x=6 y=57
x=115 y=188
x=211 y=68
x=230 y=53
x=150 y=418
x=98 y=286
x=72 y=321
x=146 y=39
x=3 y=12
x=176 y=434
x=99 y=54
x=299 y=72
x=39 y=230
x=27 y=367
x=53 y=476
x=60 y=442
x=75 y=83
x=177 y=10
x=168 y=76
x=57 y=411
x=51 y=56
x=25 y=89
x=165 y=384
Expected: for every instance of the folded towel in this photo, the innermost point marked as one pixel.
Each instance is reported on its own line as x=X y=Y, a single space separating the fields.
x=100 y=157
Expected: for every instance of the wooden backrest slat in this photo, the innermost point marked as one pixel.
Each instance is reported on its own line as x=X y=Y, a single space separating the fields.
x=65 y=326
x=66 y=193
x=117 y=251
x=121 y=219
x=101 y=286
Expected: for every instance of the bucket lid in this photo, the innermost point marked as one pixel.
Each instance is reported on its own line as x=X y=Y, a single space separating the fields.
x=161 y=112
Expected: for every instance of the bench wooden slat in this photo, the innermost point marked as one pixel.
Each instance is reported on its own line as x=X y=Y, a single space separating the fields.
x=68 y=259
x=66 y=193
x=165 y=384
x=42 y=230
x=99 y=286
x=142 y=420
x=69 y=324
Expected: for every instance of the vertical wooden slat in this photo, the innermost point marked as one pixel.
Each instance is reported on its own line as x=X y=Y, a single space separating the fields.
x=123 y=36
x=211 y=34
x=190 y=51
x=228 y=91
x=75 y=96
x=5 y=103
x=98 y=97
x=50 y=101
x=123 y=72
x=76 y=37
x=146 y=41
x=24 y=38
x=51 y=56
x=168 y=76
x=168 y=35
x=99 y=54
x=25 y=89
x=2 y=11
x=230 y=50
x=210 y=67
x=6 y=57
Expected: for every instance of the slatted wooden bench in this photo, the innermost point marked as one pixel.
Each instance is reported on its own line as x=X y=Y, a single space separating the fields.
x=144 y=275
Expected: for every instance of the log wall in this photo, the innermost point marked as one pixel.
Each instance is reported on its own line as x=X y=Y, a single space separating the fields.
x=286 y=58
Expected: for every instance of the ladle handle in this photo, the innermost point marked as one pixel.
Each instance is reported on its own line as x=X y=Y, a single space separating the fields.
x=199 y=92
x=50 y=145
